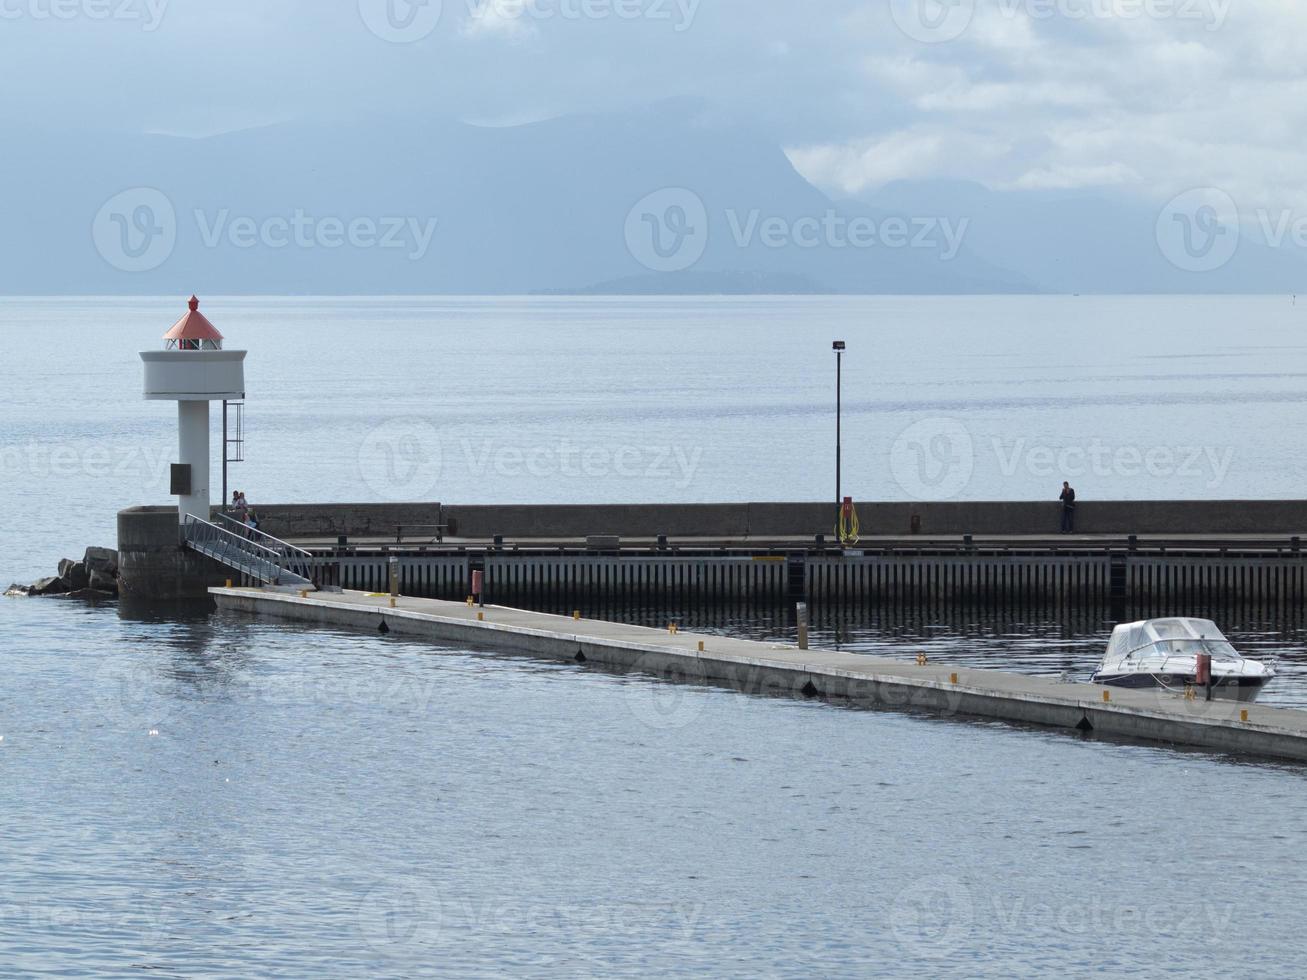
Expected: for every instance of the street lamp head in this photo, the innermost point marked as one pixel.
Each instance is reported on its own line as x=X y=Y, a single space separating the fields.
x=838 y=345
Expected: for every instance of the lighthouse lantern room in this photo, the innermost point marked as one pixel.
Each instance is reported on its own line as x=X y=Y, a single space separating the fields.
x=193 y=370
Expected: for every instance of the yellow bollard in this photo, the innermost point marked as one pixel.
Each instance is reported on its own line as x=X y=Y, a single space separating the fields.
x=229 y=583
x=953 y=678
x=304 y=593
x=701 y=646
x=576 y=614
x=1107 y=696
x=481 y=617
x=1243 y=715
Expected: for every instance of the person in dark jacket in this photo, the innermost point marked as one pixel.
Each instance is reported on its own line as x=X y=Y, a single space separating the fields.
x=1068 y=499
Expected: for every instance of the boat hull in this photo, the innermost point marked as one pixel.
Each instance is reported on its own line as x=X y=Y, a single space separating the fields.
x=1244 y=689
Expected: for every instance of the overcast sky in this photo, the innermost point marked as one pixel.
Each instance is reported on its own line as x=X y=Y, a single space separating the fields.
x=1151 y=96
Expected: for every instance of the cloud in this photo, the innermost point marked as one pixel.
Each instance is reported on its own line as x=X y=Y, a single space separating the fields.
x=850 y=168
x=1155 y=96
x=1151 y=95
x=499 y=19
x=1069 y=176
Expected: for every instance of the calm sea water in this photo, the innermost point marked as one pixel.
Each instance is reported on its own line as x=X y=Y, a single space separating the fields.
x=316 y=803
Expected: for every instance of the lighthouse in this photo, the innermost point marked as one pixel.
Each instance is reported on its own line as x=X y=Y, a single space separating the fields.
x=193 y=370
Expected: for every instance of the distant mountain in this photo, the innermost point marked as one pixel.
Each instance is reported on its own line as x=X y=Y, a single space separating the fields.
x=1079 y=242
x=702 y=283
x=672 y=198
x=669 y=198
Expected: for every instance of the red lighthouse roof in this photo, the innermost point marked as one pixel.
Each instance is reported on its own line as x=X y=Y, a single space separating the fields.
x=193 y=326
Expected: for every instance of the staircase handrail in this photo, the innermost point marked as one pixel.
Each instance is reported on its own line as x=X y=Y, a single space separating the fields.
x=284 y=558
x=277 y=544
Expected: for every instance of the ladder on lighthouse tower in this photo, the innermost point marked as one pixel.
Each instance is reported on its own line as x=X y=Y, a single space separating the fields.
x=233 y=440
x=251 y=552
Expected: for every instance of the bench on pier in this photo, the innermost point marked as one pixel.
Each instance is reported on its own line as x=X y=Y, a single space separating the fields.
x=438 y=529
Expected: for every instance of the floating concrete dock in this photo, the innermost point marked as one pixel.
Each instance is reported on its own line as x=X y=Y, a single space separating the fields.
x=756 y=668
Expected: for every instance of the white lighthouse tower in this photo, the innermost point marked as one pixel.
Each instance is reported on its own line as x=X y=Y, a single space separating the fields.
x=193 y=370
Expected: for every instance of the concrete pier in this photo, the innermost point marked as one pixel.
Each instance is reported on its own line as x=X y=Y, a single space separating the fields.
x=755 y=668
x=1136 y=557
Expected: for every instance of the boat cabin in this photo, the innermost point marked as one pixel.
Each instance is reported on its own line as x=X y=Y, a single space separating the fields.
x=1169 y=638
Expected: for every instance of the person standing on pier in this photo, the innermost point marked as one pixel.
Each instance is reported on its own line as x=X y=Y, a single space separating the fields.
x=240 y=509
x=1068 y=499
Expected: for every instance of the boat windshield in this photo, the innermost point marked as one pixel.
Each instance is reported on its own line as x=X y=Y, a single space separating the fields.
x=1171 y=629
x=1189 y=647
x=1206 y=628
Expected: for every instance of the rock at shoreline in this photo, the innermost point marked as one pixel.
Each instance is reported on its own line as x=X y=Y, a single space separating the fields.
x=100 y=582
x=94 y=595
x=75 y=574
x=104 y=560
x=50 y=586
x=94 y=577
x=16 y=590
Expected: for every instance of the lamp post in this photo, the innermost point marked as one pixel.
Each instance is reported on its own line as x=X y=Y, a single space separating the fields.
x=839 y=348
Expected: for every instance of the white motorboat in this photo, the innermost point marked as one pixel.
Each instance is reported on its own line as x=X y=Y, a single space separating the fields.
x=1163 y=653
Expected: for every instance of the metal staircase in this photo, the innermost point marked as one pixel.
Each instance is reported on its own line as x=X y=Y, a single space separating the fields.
x=251 y=552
